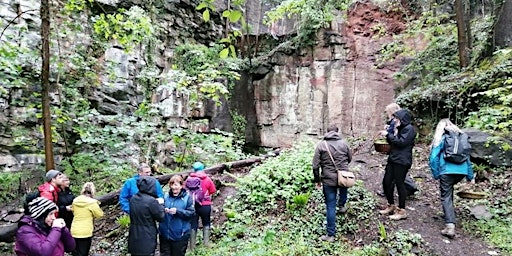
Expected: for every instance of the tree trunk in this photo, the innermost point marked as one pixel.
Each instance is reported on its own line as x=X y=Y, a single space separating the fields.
x=503 y=28
x=45 y=83
x=461 y=33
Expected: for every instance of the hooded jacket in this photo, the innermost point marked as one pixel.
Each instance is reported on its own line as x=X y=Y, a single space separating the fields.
x=403 y=142
x=207 y=186
x=85 y=209
x=34 y=238
x=65 y=198
x=129 y=189
x=176 y=227
x=341 y=154
x=439 y=166
x=145 y=211
x=48 y=191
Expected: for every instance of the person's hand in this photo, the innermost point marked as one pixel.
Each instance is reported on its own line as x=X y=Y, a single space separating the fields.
x=172 y=210
x=69 y=208
x=318 y=185
x=383 y=133
x=160 y=200
x=58 y=223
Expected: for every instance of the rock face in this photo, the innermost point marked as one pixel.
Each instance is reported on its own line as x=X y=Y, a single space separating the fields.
x=293 y=95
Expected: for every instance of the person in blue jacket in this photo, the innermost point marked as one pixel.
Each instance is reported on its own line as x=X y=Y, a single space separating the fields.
x=447 y=173
x=176 y=227
x=130 y=187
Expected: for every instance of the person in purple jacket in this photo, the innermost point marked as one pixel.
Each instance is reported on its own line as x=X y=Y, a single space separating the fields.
x=41 y=233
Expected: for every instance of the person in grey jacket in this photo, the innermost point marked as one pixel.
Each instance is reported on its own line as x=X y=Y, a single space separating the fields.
x=399 y=163
x=328 y=178
x=145 y=210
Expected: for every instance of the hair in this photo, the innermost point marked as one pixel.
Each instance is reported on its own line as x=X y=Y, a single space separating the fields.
x=142 y=166
x=176 y=178
x=392 y=108
x=88 y=189
x=332 y=128
x=444 y=125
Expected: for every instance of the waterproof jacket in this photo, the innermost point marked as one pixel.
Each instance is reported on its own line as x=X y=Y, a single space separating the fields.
x=207 y=186
x=86 y=209
x=176 y=227
x=129 y=189
x=403 y=142
x=145 y=211
x=34 y=238
x=341 y=154
x=65 y=198
x=48 y=191
x=439 y=166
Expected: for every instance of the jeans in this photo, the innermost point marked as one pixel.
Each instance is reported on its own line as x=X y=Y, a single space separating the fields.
x=395 y=175
x=204 y=213
x=446 y=187
x=173 y=248
x=330 y=193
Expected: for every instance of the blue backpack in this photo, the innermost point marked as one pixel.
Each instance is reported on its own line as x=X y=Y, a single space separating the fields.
x=456 y=147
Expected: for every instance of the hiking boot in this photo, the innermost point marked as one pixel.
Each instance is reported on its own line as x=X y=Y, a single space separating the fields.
x=342 y=209
x=449 y=230
x=399 y=214
x=389 y=209
x=325 y=238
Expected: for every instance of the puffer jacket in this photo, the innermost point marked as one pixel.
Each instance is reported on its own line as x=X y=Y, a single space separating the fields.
x=402 y=143
x=145 y=211
x=48 y=191
x=207 y=186
x=86 y=209
x=321 y=159
x=439 y=166
x=176 y=227
x=34 y=238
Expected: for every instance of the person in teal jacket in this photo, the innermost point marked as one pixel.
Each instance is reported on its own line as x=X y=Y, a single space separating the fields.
x=130 y=187
x=176 y=228
x=447 y=173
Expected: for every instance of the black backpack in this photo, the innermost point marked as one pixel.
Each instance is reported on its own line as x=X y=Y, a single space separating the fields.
x=456 y=147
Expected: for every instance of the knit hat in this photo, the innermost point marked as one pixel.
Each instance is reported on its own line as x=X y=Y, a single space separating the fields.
x=41 y=207
x=51 y=174
x=198 y=166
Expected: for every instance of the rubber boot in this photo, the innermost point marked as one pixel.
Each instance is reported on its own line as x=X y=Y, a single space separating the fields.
x=192 y=241
x=206 y=236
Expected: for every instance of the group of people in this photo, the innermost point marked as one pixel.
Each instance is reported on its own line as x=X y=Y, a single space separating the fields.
x=176 y=212
x=56 y=221
x=400 y=134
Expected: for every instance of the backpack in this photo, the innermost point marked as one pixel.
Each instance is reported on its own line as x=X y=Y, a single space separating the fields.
x=456 y=147
x=28 y=198
x=193 y=185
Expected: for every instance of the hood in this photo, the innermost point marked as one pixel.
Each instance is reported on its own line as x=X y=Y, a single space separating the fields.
x=332 y=135
x=83 y=201
x=200 y=175
x=147 y=185
x=404 y=116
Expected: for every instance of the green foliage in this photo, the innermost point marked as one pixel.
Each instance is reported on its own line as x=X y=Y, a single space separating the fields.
x=16 y=63
x=126 y=27
x=9 y=184
x=201 y=74
x=239 y=124
x=311 y=15
x=402 y=242
x=123 y=221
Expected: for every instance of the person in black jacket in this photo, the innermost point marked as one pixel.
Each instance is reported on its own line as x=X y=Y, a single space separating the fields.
x=145 y=210
x=401 y=141
x=64 y=201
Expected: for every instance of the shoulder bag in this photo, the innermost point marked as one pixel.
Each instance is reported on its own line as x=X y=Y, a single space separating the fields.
x=345 y=178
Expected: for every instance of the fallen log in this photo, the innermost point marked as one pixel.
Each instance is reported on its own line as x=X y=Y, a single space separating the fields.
x=8 y=230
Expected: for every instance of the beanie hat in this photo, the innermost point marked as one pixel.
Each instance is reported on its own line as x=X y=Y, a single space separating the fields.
x=41 y=207
x=51 y=174
x=198 y=166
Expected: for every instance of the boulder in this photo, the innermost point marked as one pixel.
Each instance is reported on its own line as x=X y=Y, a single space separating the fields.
x=490 y=149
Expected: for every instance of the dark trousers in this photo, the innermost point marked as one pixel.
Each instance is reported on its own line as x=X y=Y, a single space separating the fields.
x=83 y=245
x=173 y=248
x=395 y=176
x=204 y=213
x=447 y=181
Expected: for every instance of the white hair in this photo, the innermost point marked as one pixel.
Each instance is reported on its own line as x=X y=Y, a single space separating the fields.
x=444 y=125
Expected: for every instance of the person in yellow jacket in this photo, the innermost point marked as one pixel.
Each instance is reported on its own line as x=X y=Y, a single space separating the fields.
x=86 y=209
